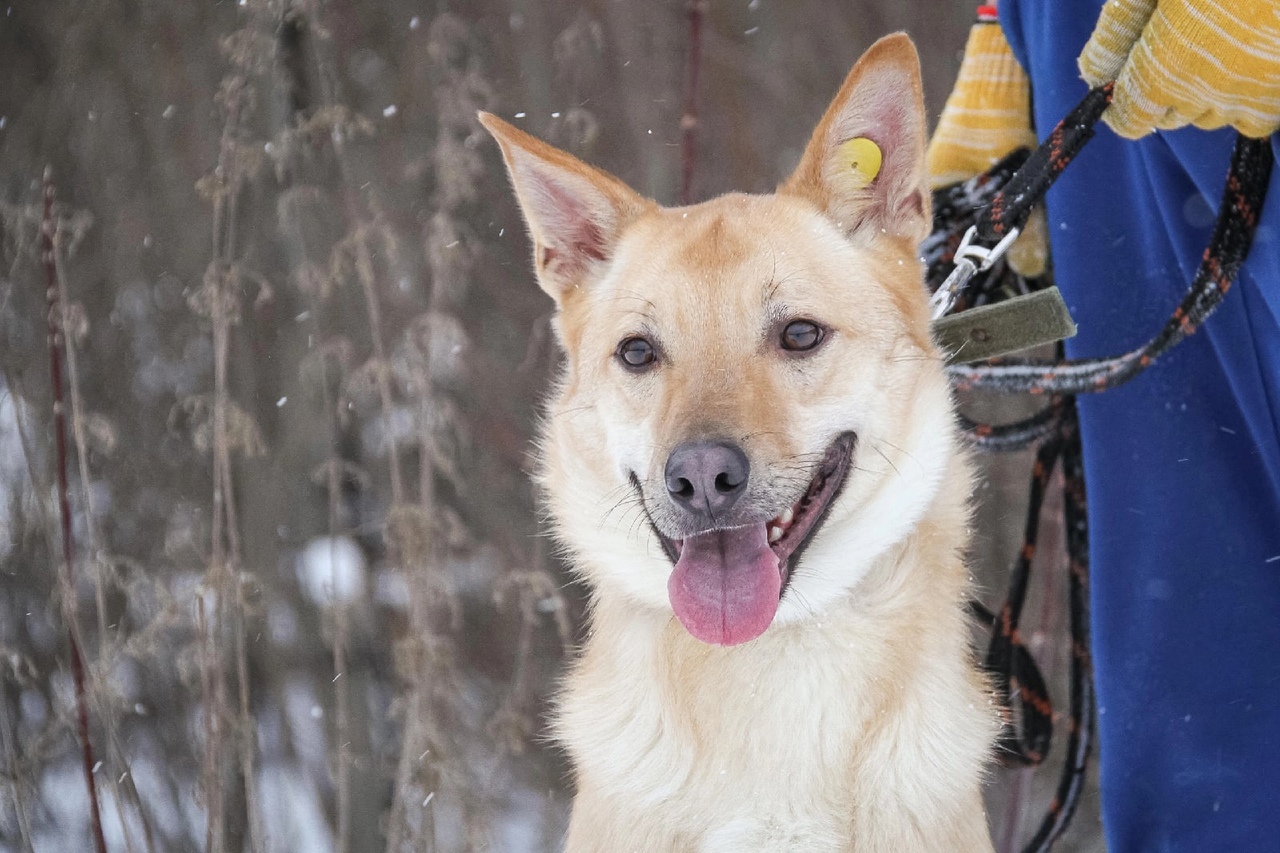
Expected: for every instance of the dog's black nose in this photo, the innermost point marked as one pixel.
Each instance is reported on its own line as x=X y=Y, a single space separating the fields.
x=707 y=477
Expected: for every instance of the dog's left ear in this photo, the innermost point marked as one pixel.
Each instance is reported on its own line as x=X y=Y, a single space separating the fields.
x=881 y=101
x=575 y=213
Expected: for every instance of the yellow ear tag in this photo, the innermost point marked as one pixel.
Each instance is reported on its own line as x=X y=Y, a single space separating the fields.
x=862 y=158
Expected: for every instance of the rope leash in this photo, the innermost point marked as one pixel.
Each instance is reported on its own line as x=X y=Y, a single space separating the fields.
x=1008 y=210
x=1083 y=709
x=1009 y=661
x=993 y=208
x=1251 y=165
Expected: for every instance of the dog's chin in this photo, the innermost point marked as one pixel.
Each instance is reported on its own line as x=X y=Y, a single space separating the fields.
x=727 y=583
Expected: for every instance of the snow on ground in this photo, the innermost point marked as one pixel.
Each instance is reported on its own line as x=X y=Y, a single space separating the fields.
x=332 y=569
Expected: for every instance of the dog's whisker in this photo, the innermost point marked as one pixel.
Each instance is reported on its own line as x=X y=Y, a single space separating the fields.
x=887 y=460
x=576 y=410
x=901 y=450
x=802 y=600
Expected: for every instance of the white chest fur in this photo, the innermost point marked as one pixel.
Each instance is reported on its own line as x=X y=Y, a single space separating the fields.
x=786 y=743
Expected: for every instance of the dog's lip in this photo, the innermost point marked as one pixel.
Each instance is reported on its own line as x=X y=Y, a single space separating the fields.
x=808 y=513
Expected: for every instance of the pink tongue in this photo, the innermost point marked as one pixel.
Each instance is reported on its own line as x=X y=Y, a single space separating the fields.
x=726 y=585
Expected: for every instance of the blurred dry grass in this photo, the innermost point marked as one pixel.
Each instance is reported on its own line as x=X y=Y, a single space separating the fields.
x=299 y=295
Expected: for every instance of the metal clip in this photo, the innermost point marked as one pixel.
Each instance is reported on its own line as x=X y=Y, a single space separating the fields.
x=970 y=259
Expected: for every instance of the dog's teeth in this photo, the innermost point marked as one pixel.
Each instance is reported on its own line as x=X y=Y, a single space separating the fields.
x=775 y=533
x=787 y=517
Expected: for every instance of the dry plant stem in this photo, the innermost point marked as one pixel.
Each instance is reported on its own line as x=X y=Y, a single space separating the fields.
x=368 y=283
x=689 y=119
x=225 y=562
x=524 y=649
x=248 y=730
x=227 y=556
x=67 y=577
x=40 y=488
x=341 y=616
x=426 y=452
x=367 y=277
x=14 y=771
x=209 y=765
x=404 y=777
x=16 y=787
x=340 y=633
x=82 y=446
x=333 y=489
x=125 y=782
x=413 y=750
x=365 y=220
x=211 y=658
x=341 y=611
x=106 y=645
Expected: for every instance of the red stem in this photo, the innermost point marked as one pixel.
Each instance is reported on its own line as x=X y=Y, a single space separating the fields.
x=689 y=120
x=56 y=342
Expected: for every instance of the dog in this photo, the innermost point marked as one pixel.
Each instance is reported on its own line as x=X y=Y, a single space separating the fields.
x=751 y=458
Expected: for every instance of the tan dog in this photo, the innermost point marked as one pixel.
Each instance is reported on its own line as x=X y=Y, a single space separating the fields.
x=752 y=459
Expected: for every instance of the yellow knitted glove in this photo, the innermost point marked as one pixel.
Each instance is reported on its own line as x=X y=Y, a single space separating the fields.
x=1208 y=63
x=987 y=115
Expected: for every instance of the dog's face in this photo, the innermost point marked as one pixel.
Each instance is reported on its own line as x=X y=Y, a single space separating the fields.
x=752 y=409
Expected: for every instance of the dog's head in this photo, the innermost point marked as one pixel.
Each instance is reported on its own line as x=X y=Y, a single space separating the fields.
x=752 y=408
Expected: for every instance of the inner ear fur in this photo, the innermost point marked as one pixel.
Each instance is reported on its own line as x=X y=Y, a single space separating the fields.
x=575 y=212
x=882 y=100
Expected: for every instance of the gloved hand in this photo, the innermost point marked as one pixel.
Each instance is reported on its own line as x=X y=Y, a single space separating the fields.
x=987 y=115
x=1208 y=63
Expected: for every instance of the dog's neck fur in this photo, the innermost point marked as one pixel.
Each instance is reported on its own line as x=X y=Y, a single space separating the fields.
x=656 y=745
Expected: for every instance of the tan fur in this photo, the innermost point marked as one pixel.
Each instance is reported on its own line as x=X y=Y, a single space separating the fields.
x=857 y=721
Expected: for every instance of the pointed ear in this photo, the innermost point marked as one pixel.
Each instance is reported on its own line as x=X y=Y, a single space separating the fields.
x=575 y=213
x=881 y=101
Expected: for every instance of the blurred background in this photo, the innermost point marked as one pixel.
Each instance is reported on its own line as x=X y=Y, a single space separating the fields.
x=304 y=356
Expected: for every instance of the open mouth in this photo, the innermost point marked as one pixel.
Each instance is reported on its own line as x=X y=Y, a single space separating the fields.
x=727 y=582
x=790 y=532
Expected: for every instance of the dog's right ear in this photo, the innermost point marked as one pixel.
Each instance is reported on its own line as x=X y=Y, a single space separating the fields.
x=575 y=213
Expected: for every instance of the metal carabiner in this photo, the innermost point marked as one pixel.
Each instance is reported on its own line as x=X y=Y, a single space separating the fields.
x=970 y=259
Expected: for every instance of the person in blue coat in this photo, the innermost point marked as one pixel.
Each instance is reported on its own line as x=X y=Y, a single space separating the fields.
x=1182 y=463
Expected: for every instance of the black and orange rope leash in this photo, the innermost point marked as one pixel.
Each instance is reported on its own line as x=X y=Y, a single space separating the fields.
x=992 y=208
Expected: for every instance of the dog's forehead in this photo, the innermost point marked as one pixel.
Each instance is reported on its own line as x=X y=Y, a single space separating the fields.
x=731 y=251
x=718 y=275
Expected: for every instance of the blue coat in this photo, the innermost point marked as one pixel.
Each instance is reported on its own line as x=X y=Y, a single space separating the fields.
x=1183 y=471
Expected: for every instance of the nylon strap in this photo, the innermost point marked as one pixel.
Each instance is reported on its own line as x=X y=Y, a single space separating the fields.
x=1004 y=327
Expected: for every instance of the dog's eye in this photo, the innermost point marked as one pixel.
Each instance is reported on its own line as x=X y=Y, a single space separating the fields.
x=801 y=336
x=637 y=353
